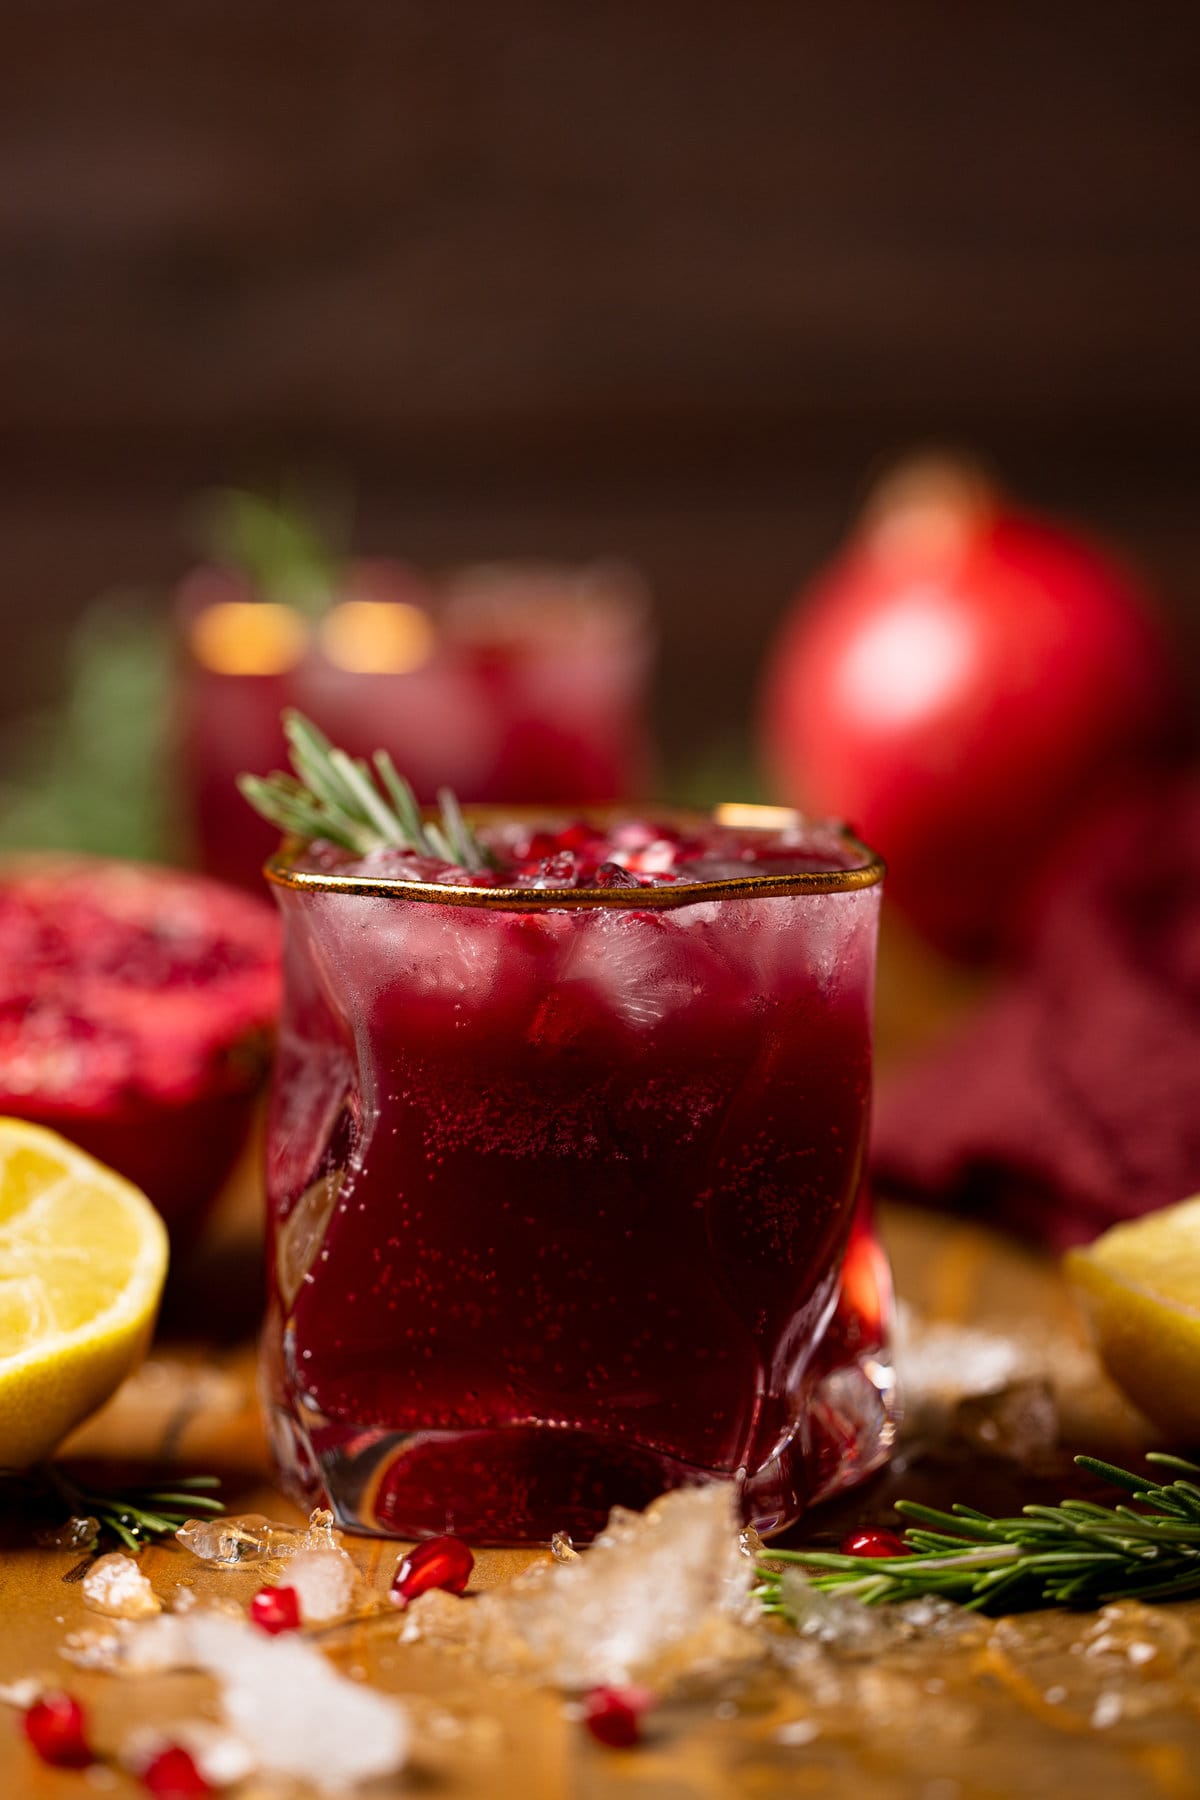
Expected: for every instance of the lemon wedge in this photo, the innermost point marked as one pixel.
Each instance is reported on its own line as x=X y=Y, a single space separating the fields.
x=1140 y=1285
x=83 y=1255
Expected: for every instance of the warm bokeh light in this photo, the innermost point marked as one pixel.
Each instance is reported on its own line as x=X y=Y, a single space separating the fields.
x=248 y=637
x=738 y=816
x=377 y=637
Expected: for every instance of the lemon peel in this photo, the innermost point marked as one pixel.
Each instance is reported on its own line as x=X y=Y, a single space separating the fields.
x=1140 y=1287
x=83 y=1257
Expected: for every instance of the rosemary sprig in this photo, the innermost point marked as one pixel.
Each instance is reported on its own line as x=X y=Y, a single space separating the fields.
x=288 y=546
x=362 y=807
x=135 y=1516
x=1075 y=1554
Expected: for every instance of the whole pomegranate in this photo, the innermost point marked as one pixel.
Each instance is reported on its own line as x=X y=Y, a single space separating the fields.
x=136 y=1006
x=957 y=684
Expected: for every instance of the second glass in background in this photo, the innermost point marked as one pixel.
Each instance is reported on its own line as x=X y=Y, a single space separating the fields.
x=515 y=683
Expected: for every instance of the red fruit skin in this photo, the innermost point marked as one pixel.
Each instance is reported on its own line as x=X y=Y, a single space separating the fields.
x=276 y=1609
x=959 y=705
x=613 y=1715
x=136 y=1011
x=438 y=1562
x=173 y=1775
x=56 y=1726
x=873 y=1541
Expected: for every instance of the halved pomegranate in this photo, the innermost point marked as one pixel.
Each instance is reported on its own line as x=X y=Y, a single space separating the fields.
x=136 y=1005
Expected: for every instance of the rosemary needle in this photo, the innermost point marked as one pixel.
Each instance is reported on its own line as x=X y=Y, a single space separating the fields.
x=358 y=805
x=1074 y=1554
x=134 y=1515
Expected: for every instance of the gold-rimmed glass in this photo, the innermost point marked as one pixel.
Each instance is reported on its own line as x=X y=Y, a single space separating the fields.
x=565 y=1192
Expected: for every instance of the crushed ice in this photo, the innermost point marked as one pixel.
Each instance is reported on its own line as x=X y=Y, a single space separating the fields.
x=230 y=1542
x=660 y=1595
x=326 y=1584
x=115 y=1586
x=77 y=1533
x=295 y=1715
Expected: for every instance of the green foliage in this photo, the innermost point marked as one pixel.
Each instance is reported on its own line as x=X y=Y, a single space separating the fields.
x=91 y=773
x=288 y=548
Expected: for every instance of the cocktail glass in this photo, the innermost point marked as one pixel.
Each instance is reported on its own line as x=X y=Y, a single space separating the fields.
x=521 y=683
x=565 y=1195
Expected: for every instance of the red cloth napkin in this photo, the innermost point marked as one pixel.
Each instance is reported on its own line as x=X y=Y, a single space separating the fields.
x=1074 y=1099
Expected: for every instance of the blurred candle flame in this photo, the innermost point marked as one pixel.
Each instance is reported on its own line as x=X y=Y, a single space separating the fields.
x=377 y=637
x=741 y=816
x=248 y=637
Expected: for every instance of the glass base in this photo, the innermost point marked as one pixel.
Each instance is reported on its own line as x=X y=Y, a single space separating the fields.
x=520 y=1484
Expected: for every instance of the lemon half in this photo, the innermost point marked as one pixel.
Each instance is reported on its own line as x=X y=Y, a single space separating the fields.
x=1140 y=1285
x=83 y=1256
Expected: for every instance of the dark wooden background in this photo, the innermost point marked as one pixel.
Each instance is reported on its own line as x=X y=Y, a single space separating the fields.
x=656 y=277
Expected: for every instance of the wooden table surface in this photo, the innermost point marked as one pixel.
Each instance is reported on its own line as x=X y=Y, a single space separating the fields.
x=937 y=1721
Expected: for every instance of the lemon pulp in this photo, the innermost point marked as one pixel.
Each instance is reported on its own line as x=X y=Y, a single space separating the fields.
x=1140 y=1285
x=83 y=1256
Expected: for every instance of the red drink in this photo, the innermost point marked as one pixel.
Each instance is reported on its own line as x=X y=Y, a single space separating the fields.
x=564 y=1165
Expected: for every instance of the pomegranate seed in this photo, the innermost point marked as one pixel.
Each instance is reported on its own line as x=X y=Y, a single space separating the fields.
x=873 y=1541
x=439 y=1562
x=613 y=1715
x=574 y=837
x=173 y=1775
x=539 y=845
x=276 y=1609
x=56 y=1726
x=560 y=867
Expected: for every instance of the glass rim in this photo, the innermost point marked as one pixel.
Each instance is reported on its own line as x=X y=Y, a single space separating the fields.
x=280 y=869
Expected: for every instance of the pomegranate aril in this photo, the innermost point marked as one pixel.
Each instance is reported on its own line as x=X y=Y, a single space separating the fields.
x=541 y=844
x=613 y=1715
x=560 y=867
x=56 y=1726
x=276 y=1609
x=439 y=1562
x=173 y=1775
x=873 y=1541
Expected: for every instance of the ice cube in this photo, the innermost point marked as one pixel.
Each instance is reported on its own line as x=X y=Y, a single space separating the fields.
x=296 y=1714
x=939 y=1365
x=131 y=1648
x=231 y=1541
x=77 y=1533
x=559 y=870
x=320 y=1532
x=1019 y=1423
x=661 y=1595
x=1107 y=1710
x=562 y=1549
x=221 y=1757
x=612 y=875
x=797 y=1732
x=326 y=1584
x=21 y=1694
x=1128 y=1662
x=839 y=1622
x=444 y=953
x=115 y=1586
x=639 y=969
